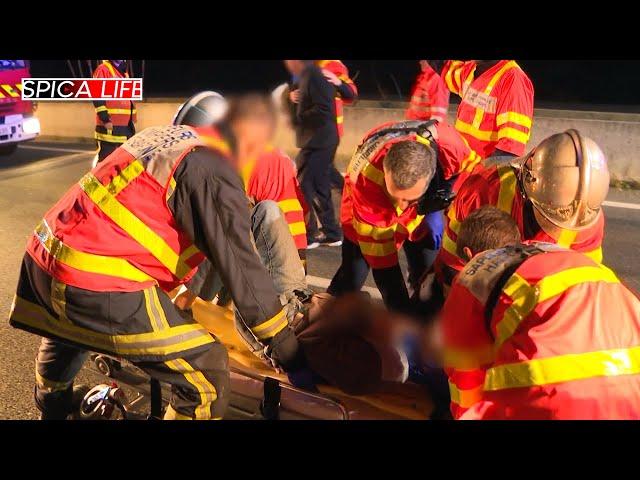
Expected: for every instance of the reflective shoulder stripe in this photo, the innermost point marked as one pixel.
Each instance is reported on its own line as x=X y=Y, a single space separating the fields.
x=131 y=224
x=166 y=342
x=507 y=189
x=373 y=173
x=564 y=368
x=290 y=205
x=377 y=233
x=498 y=75
x=513 y=117
x=526 y=297
x=271 y=327
x=87 y=262
x=105 y=137
x=465 y=398
x=595 y=255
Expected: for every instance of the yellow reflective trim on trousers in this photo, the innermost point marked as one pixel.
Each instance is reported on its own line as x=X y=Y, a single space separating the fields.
x=374 y=174
x=513 y=134
x=205 y=389
x=595 y=255
x=105 y=137
x=59 y=300
x=507 y=189
x=133 y=226
x=49 y=385
x=290 y=205
x=188 y=253
x=526 y=296
x=564 y=368
x=377 y=233
x=153 y=319
x=159 y=343
x=465 y=398
x=513 y=117
x=171 y=414
x=297 y=228
x=87 y=262
x=271 y=327
x=377 y=249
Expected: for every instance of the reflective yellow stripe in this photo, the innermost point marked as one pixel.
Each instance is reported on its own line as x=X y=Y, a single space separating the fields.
x=513 y=117
x=454 y=225
x=465 y=398
x=564 y=368
x=339 y=119
x=595 y=255
x=216 y=144
x=378 y=249
x=513 y=134
x=19 y=86
x=271 y=327
x=126 y=176
x=171 y=414
x=290 y=205
x=59 y=300
x=121 y=111
x=374 y=174
x=566 y=238
x=415 y=223
x=49 y=385
x=9 y=89
x=449 y=245
x=526 y=297
x=486 y=135
x=165 y=342
x=205 y=389
x=470 y=162
x=87 y=262
x=377 y=233
x=101 y=108
x=188 y=253
x=297 y=228
x=106 y=137
x=507 y=189
x=134 y=227
x=468 y=359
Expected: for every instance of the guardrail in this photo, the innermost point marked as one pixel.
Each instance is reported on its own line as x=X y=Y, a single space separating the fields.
x=617 y=133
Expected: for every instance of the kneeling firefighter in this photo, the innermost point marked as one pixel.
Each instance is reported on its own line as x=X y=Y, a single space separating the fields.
x=98 y=265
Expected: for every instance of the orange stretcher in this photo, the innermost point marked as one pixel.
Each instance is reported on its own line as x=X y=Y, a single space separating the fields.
x=397 y=401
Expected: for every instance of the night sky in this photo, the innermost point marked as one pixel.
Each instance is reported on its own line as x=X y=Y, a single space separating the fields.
x=606 y=85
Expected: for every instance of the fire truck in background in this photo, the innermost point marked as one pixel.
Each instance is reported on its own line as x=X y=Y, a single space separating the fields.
x=17 y=120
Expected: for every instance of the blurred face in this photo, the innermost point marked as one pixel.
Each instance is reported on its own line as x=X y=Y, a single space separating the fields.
x=252 y=137
x=403 y=199
x=294 y=67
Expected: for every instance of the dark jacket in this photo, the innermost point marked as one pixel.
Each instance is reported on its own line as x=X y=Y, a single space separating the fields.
x=315 y=119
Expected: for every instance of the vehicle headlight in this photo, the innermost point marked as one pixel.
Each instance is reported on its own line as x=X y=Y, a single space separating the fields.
x=31 y=125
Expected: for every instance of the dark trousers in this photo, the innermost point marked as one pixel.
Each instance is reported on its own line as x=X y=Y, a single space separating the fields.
x=354 y=269
x=105 y=149
x=315 y=167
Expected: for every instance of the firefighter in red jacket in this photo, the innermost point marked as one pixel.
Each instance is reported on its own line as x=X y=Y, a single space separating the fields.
x=136 y=226
x=538 y=331
x=429 y=96
x=554 y=194
x=496 y=108
x=398 y=181
x=115 y=119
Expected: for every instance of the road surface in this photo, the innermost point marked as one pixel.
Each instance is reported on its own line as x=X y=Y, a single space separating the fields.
x=35 y=177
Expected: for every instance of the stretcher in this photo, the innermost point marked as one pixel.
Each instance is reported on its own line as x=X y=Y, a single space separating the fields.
x=259 y=392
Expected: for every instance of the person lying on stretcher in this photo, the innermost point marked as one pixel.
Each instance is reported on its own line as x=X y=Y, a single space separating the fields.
x=349 y=342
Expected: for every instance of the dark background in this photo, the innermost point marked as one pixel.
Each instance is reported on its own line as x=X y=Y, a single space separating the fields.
x=577 y=84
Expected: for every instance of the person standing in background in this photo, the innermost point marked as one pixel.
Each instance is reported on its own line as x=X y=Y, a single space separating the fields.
x=115 y=119
x=429 y=96
x=317 y=137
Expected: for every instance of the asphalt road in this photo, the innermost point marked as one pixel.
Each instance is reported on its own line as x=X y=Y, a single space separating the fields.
x=33 y=178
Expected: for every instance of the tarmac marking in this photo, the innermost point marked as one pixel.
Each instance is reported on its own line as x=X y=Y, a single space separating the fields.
x=55 y=149
x=631 y=206
x=324 y=283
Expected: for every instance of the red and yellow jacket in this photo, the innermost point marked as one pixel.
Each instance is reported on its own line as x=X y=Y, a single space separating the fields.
x=556 y=336
x=113 y=231
x=345 y=95
x=496 y=110
x=273 y=177
x=498 y=186
x=429 y=97
x=119 y=112
x=368 y=216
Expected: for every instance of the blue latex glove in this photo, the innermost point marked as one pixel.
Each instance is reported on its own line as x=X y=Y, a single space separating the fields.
x=435 y=222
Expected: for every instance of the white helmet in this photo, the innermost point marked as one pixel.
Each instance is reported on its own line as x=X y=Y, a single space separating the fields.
x=201 y=110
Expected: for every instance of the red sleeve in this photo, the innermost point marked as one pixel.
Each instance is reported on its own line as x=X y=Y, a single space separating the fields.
x=514 y=112
x=455 y=155
x=454 y=73
x=429 y=97
x=467 y=348
x=102 y=72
